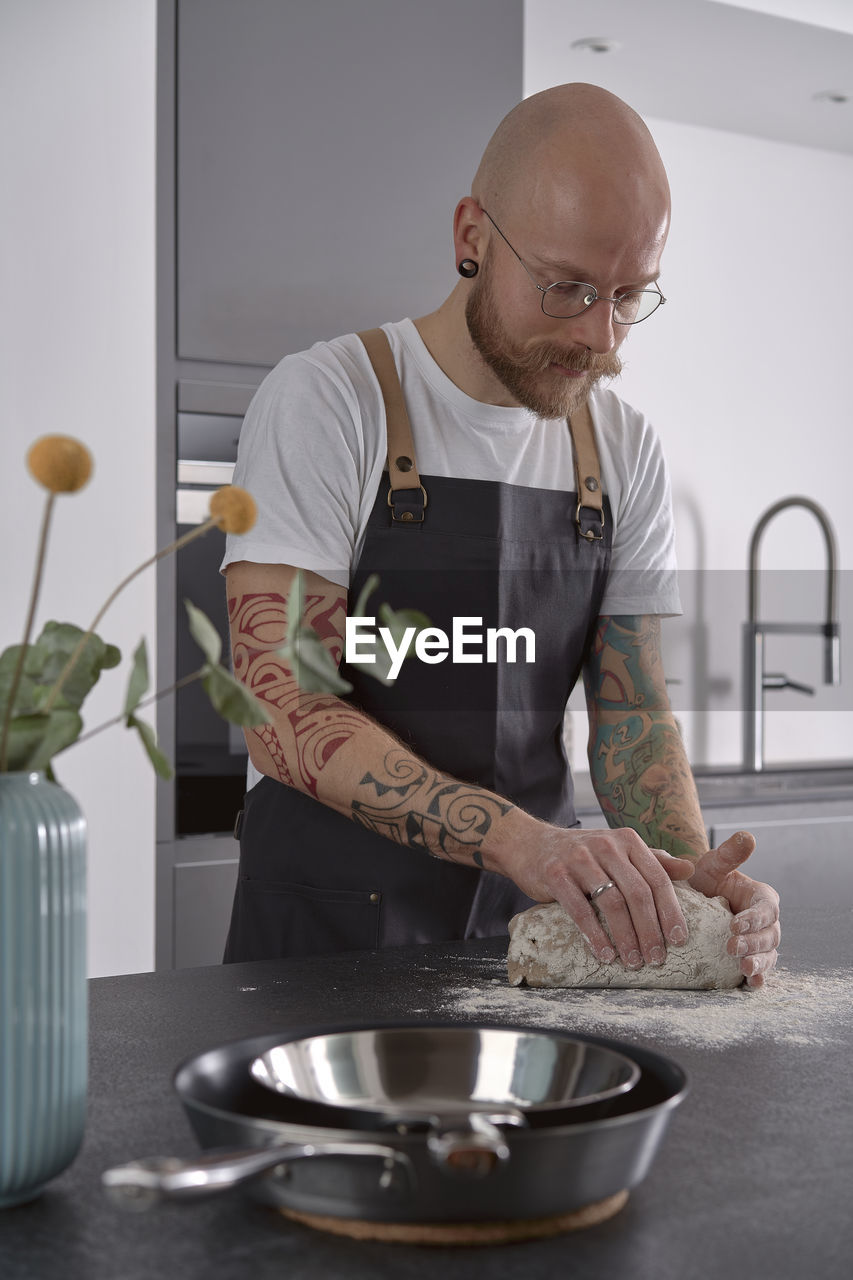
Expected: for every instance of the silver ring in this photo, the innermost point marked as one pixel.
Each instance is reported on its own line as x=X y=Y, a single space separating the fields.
x=608 y=884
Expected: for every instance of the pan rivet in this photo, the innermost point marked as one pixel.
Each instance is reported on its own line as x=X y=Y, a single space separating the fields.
x=591 y=483
x=374 y=897
x=282 y=1172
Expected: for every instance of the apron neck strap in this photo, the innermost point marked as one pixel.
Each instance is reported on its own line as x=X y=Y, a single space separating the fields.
x=589 y=516
x=407 y=497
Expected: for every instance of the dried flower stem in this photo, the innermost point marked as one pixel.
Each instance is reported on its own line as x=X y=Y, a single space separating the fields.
x=28 y=626
x=154 y=697
x=81 y=644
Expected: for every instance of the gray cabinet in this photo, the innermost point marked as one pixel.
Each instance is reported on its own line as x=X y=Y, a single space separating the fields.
x=793 y=845
x=321 y=149
x=196 y=877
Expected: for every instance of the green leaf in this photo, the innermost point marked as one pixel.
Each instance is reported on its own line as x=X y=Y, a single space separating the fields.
x=137 y=685
x=313 y=667
x=399 y=620
x=52 y=650
x=204 y=633
x=296 y=600
x=149 y=742
x=232 y=699
x=35 y=739
x=30 y=693
x=367 y=590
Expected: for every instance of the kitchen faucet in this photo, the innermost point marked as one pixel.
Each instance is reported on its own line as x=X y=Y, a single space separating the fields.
x=755 y=679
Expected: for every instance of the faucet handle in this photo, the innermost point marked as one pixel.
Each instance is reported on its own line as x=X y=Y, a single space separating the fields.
x=776 y=680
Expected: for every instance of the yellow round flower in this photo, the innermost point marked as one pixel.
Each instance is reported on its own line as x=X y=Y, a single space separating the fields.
x=233 y=509
x=60 y=463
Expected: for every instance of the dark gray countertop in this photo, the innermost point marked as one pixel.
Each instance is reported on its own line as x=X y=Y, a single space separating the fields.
x=724 y=785
x=755 y=1176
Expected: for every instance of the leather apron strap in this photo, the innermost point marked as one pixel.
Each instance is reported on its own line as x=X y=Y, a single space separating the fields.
x=406 y=497
x=589 y=516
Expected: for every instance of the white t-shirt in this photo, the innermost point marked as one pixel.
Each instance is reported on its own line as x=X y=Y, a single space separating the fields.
x=313 y=447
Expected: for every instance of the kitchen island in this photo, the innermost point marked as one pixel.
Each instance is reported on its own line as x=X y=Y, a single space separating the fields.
x=754 y=1177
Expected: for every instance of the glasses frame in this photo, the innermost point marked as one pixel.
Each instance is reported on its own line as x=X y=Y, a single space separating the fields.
x=596 y=296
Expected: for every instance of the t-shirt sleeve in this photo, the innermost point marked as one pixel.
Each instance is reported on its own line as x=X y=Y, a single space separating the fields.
x=302 y=456
x=643 y=575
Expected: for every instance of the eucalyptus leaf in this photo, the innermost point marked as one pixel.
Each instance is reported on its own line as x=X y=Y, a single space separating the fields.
x=204 y=633
x=313 y=667
x=367 y=590
x=149 y=742
x=137 y=685
x=399 y=620
x=35 y=739
x=232 y=699
x=296 y=601
x=51 y=652
x=31 y=692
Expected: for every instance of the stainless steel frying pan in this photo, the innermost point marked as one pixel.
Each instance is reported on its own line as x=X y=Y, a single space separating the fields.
x=331 y=1158
x=458 y=1083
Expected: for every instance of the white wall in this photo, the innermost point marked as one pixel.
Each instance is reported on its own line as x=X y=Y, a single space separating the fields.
x=77 y=101
x=749 y=390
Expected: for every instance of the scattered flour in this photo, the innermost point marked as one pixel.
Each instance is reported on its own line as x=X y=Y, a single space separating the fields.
x=791 y=1008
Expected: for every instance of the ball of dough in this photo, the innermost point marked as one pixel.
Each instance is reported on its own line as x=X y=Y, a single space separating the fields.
x=547 y=949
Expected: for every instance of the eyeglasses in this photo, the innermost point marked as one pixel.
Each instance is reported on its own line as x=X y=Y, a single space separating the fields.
x=568 y=298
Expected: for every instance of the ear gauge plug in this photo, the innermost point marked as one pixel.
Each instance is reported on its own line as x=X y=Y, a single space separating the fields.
x=468 y=268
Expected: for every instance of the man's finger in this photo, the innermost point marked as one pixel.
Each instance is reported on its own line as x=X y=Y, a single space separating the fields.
x=718 y=863
x=675 y=868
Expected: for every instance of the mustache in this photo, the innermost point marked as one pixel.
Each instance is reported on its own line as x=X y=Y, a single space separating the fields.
x=600 y=365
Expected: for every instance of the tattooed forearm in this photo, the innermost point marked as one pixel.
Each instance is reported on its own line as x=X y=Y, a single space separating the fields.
x=643 y=780
x=638 y=764
x=625 y=667
x=415 y=805
x=318 y=725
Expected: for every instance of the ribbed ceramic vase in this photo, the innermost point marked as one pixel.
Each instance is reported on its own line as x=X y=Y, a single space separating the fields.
x=43 y=1012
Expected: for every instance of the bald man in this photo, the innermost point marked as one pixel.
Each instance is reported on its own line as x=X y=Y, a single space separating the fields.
x=473 y=459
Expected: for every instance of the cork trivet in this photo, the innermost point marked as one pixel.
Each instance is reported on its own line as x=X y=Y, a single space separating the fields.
x=464 y=1233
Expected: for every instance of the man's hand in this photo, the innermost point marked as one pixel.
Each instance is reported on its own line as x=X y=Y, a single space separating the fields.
x=755 y=927
x=566 y=865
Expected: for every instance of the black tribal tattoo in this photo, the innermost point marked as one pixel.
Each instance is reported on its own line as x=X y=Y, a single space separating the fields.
x=419 y=807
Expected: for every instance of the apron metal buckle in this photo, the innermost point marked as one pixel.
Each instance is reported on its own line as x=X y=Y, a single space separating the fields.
x=407 y=505
x=590 y=522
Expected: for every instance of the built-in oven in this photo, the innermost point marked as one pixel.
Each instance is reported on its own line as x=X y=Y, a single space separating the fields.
x=210 y=754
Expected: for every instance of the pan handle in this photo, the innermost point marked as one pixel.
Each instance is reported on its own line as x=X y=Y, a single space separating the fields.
x=471 y=1147
x=143 y=1183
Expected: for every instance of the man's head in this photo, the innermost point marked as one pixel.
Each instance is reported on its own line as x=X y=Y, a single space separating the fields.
x=574 y=181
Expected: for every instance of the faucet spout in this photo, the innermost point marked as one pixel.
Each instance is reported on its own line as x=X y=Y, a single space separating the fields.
x=755 y=681
x=831 y=611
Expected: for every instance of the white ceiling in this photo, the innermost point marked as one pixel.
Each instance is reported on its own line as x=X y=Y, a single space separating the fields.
x=704 y=62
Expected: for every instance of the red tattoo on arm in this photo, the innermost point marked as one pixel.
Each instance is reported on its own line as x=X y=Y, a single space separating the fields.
x=312 y=727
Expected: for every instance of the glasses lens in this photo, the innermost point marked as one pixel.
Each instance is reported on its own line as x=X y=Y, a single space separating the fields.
x=570 y=298
x=634 y=307
x=567 y=298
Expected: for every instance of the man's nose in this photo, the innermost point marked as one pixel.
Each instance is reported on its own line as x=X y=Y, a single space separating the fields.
x=595 y=327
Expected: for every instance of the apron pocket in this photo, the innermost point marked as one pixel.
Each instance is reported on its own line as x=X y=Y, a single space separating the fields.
x=281 y=918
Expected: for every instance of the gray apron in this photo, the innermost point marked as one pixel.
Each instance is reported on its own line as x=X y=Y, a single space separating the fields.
x=313 y=881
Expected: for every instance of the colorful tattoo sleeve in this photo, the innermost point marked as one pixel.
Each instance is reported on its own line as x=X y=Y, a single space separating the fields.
x=638 y=764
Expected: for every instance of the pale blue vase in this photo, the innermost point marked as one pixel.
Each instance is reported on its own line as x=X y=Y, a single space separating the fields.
x=43 y=1011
